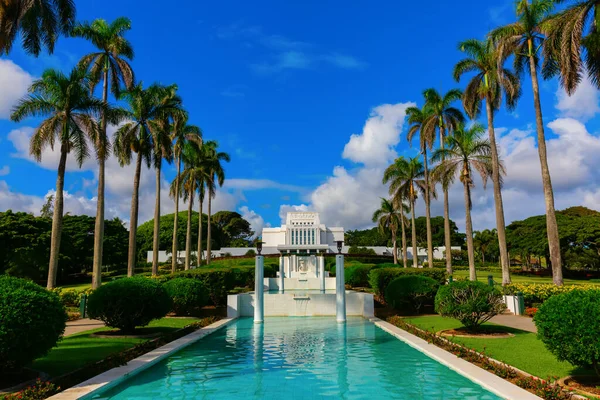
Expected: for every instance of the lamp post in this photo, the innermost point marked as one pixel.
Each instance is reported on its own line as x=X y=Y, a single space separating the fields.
x=259 y=288
x=340 y=284
x=340 y=244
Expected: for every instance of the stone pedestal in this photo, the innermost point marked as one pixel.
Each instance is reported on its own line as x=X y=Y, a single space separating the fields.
x=281 y=274
x=340 y=289
x=259 y=291
x=321 y=264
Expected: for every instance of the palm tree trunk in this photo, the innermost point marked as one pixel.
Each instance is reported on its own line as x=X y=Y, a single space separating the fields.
x=428 y=212
x=131 y=256
x=500 y=224
x=395 y=246
x=469 y=228
x=208 y=255
x=199 y=255
x=188 y=235
x=99 y=226
x=156 y=239
x=404 y=247
x=174 y=250
x=447 y=241
x=551 y=225
x=57 y=219
x=414 y=236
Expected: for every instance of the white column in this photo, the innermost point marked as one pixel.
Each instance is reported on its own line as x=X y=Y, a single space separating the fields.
x=340 y=289
x=281 y=273
x=321 y=264
x=259 y=291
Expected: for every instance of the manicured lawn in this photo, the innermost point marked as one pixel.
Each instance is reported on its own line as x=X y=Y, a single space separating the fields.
x=523 y=351
x=483 y=276
x=75 y=351
x=78 y=286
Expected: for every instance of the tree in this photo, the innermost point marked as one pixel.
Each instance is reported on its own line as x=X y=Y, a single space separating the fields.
x=182 y=133
x=231 y=227
x=71 y=113
x=405 y=177
x=484 y=240
x=490 y=82
x=109 y=63
x=466 y=152
x=38 y=23
x=48 y=208
x=416 y=119
x=445 y=118
x=523 y=39
x=388 y=219
x=135 y=136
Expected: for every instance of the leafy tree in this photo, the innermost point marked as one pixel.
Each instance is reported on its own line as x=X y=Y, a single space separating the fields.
x=486 y=243
x=232 y=228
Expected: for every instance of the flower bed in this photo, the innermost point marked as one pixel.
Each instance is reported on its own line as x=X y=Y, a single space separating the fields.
x=537 y=293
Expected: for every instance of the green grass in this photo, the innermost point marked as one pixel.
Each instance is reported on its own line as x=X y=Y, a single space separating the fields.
x=523 y=351
x=483 y=277
x=78 y=350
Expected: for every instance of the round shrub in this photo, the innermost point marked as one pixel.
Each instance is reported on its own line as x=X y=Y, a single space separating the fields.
x=472 y=303
x=411 y=292
x=129 y=302
x=32 y=320
x=188 y=295
x=568 y=324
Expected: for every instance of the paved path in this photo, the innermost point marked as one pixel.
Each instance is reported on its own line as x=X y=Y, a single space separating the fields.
x=515 y=321
x=82 y=325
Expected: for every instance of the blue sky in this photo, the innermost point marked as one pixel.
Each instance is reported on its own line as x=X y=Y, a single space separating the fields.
x=283 y=86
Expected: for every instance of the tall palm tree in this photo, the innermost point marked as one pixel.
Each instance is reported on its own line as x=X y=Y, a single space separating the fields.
x=416 y=119
x=215 y=175
x=466 y=152
x=38 y=23
x=406 y=180
x=182 y=134
x=523 y=39
x=403 y=224
x=388 y=220
x=135 y=136
x=483 y=239
x=490 y=82
x=71 y=113
x=445 y=118
x=201 y=187
x=572 y=47
x=109 y=63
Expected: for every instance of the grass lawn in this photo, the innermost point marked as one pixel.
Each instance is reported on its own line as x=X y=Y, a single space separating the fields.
x=75 y=351
x=523 y=351
x=483 y=276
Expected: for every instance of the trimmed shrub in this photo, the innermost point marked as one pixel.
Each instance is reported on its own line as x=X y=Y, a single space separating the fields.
x=472 y=303
x=357 y=275
x=380 y=278
x=188 y=295
x=537 y=293
x=129 y=302
x=568 y=324
x=411 y=292
x=32 y=320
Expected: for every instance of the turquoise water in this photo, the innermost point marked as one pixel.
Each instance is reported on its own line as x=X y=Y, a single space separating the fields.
x=296 y=359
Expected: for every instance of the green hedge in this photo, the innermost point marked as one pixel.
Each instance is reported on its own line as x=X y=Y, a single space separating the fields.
x=380 y=278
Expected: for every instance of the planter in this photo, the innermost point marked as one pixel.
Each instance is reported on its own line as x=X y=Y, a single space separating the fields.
x=515 y=303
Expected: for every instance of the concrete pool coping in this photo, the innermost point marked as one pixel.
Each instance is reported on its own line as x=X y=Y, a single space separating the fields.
x=115 y=376
x=483 y=378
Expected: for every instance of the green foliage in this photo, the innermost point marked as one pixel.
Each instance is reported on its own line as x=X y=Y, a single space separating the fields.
x=32 y=320
x=71 y=297
x=568 y=324
x=411 y=292
x=250 y=253
x=357 y=274
x=38 y=391
x=471 y=303
x=380 y=278
x=188 y=295
x=129 y=302
x=361 y=250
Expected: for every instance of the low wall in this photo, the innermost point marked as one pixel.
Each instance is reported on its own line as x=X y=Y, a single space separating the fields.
x=296 y=284
x=296 y=305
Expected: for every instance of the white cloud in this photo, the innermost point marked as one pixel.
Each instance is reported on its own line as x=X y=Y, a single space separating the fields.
x=381 y=133
x=4 y=170
x=14 y=83
x=257 y=223
x=286 y=208
x=583 y=104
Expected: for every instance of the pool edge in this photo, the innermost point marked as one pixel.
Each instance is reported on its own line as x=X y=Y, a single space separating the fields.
x=114 y=376
x=485 y=379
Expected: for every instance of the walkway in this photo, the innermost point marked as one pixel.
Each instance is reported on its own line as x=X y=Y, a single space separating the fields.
x=82 y=325
x=515 y=321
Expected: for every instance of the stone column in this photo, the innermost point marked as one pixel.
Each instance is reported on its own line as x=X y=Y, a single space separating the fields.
x=321 y=263
x=259 y=290
x=340 y=289
x=281 y=273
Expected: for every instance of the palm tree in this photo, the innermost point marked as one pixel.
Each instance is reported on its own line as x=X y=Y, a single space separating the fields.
x=445 y=118
x=38 y=23
x=215 y=175
x=71 y=113
x=466 y=152
x=483 y=239
x=406 y=179
x=489 y=83
x=416 y=119
x=182 y=134
x=388 y=219
x=523 y=39
x=571 y=47
x=135 y=136
x=110 y=63
x=201 y=187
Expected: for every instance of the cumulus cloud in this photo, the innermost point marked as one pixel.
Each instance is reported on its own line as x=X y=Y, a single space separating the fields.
x=14 y=82
x=583 y=104
x=257 y=223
